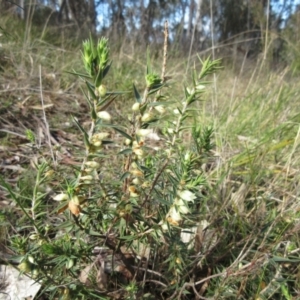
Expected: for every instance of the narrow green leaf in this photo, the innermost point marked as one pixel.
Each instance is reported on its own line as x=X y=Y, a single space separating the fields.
x=137 y=95
x=91 y=89
x=106 y=69
x=106 y=142
x=16 y=199
x=85 y=135
x=99 y=78
x=123 y=133
x=86 y=97
x=125 y=175
x=125 y=151
x=93 y=113
x=78 y=74
x=285 y=260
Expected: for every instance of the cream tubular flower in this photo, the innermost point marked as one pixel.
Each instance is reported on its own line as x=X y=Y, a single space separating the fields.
x=61 y=197
x=181 y=206
x=144 y=132
x=186 y=195
x=87 y=178
x=173 y=216
x=92 y=164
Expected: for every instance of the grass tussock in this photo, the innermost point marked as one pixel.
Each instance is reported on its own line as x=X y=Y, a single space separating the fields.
x=216 y=216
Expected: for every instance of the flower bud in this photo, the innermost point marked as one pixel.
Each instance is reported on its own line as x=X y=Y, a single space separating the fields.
x=187 y=156
x=35 y=273
x=160 y=108
x=127 y=142
x=92 y=164
x=136 y=181
x=200 y=87
x=33 y=237
x=69 y=263
x=152 y=79
x=31 y=259
x=170 y=130
x=97 y=144
x=190 y=90
x=102 y=90
x=104 y=115
x=136 y=106
x=147 y=117
x=25 y=266
x=87 y=177
x=137 y=173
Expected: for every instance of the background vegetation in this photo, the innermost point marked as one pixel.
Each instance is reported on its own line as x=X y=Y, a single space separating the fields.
x=248 y=237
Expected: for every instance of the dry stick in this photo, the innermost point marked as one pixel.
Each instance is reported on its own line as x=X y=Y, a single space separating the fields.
x=164 y=66
x=163 y=77
x=45 y=117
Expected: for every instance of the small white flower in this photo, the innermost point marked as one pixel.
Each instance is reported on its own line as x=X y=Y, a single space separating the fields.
x=173 y=216
x=170 y=130
x=176 y=111
x=181 y=206
x=135 y=144
x=138 y=151
x=164 y=225
x=104 y=115
x=190 y=90
x=87 y=178
x=187 y=195
x=61 y=197
x=187 y=156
